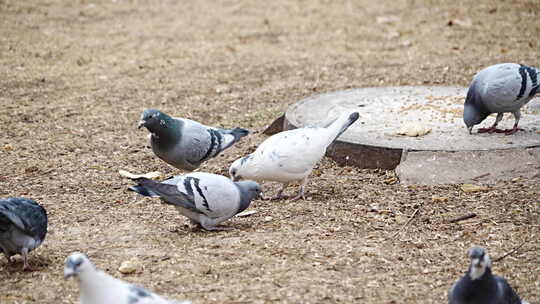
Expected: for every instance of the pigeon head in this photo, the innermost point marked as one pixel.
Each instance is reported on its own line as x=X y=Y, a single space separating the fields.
x=153 y=119
x=249 y=190
x=480 y=261
x=471 y=116
x=238 y=167
x=76 y=264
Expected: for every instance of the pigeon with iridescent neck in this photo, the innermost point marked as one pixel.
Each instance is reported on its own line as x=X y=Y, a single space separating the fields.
x=184 y=143
x=480 y=286
x=501 y=88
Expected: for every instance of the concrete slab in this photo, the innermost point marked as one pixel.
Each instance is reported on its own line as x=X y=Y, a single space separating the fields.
x=485 y=167
x=385 y=112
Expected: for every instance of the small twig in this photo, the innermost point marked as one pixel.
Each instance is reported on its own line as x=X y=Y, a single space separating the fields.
x=408 y=222
x=510 y=252
x=462 y=218
x=480 y=176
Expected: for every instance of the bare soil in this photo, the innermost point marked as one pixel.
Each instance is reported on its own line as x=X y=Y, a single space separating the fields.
x=75 y=76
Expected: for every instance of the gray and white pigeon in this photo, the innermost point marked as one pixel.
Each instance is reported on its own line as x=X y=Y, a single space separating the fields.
x=500 y=88
x=98 y=287
x=290 y=155
x=206 y=199
x=480 y=286
x=23 y=226
x=184 y=143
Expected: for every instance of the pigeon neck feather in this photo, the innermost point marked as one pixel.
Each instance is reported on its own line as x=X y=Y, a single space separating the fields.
x=167 y=130
x=95 y=285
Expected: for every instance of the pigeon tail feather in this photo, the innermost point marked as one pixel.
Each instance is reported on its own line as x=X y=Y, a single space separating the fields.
x=239 y=132
x=340 y=125
x=142 y=190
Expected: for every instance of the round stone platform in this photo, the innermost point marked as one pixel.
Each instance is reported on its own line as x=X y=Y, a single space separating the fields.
x=374 y=141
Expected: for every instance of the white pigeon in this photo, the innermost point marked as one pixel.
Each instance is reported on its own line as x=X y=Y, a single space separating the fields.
x=98 y=287
x=206 y=199
x=500 y=89
x=290 y=155
x=184 y=143
x=480 y=286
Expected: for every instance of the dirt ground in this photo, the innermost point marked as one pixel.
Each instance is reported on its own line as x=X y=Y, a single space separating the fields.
x=75 y=76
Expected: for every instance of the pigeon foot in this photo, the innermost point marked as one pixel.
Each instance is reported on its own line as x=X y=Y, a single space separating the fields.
x=28 y=268
x=299 y=196
x=512 y=131
x=491 y=130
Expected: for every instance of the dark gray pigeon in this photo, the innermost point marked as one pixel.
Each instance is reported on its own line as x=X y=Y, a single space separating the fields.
x=186 y=144
x=501 y=88
x=23 y=226
x=480 y=286
x=97 y=287
x=206 y=199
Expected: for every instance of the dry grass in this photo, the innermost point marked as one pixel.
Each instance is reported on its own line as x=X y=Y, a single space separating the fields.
x=76 y=75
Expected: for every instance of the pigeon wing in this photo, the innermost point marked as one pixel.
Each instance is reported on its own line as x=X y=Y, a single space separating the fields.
x=170 y=194
x=295 y=151
x=506 y=292
x=26 y=215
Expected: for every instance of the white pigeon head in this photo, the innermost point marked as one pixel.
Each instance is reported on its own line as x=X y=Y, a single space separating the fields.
x=239 y=169
x=480 y=261
x=76 y=264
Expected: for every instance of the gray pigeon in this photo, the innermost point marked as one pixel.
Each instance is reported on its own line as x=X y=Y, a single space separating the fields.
x=290 y=155
x=500 y=88
x=23 y=226
x=97 y=287
x=480 y=286
x=186 y=144
x=206 y=199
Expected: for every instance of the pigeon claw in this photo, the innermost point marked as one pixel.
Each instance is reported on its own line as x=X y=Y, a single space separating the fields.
x=490 y=130
x=512 y=131
x=28 y=268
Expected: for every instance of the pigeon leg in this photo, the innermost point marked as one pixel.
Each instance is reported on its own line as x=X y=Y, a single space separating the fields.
x=513 y=130
x=215 y=228
x=280 y=195
x=493 y=128
x=301 y=194
x=517 y=115
x=26 y=265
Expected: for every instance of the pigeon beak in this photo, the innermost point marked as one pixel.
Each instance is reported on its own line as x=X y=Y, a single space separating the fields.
x=141 y=124
x=68 y=273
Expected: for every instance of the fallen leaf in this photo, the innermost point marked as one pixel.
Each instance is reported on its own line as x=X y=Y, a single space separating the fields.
x=149 y=175
x=246 y=213
x=130 y=266
x=439 y=199
x=469 y=188
x=414 y=130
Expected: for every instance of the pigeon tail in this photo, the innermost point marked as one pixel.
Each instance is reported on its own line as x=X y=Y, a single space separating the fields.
x=236 y=134
x=239 y=133
x=141 y=189
x=340 y=125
